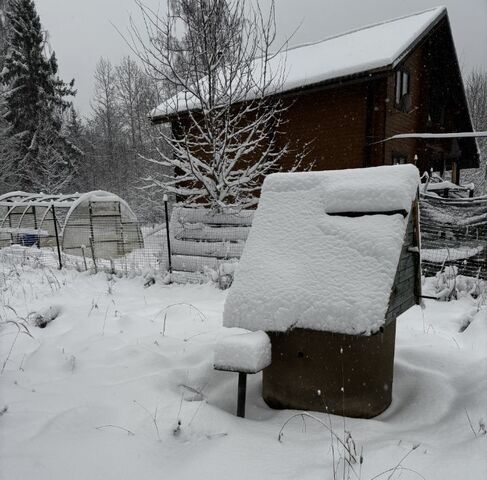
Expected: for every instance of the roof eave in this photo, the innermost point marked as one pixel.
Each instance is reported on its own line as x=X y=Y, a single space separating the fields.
x=170 y=117
x=409 y=49
x=345 y=79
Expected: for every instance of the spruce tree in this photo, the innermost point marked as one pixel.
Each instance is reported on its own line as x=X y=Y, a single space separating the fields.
x=35 y=99
x=3 y=31
x=8 y=146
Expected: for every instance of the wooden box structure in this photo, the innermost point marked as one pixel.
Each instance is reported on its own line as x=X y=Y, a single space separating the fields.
x=332 y=325
x=349 y=375
x=98 y=221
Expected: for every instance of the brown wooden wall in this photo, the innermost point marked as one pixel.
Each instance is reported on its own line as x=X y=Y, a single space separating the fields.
x=414 y=120
x=341 y=122
x=436 y=85
x=344 y=120
x=332 y=122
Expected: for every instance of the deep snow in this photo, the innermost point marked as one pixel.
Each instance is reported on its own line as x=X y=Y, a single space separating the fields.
x=122 y=358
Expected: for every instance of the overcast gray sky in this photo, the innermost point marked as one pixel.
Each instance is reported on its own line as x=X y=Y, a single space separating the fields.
x=81 y=31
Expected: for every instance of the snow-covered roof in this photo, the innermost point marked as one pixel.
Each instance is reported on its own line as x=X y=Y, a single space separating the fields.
x=24 y=199
x=97 y=196
x=435 y=136
x=382 y=45
x=306 y=266
x=447 y=185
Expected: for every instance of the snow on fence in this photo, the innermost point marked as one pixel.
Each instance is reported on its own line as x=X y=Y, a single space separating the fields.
x=205 y=243
x=454 y=233
x=90 y=231
x=204 y=246
x=207 y=246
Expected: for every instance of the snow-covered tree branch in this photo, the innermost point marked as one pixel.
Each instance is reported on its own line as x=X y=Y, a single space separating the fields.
x=213 y=60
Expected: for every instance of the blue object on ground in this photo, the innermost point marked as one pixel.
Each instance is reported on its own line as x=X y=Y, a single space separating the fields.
x=29 y=239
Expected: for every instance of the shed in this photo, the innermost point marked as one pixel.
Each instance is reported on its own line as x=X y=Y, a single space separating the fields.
x=328 y=266
x=97 y=218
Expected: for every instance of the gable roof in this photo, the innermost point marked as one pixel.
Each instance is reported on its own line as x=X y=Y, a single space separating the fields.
x=371 y=48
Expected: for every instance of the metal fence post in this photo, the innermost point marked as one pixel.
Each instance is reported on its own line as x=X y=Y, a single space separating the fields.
x=242 y=392
x=38 y=241
x=167 y=233
x=92 y=237
x=92 y=246
x=84 y=257
x=57 y=237
x=122 y=240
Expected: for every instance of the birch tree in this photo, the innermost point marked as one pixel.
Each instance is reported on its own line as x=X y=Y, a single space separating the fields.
x=131 y=98
x=136 y=96
x=105 y=126
x=214 y=59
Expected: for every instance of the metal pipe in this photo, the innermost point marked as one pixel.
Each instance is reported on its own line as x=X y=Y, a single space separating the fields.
x=167 y=234
x=242 y=393
x=57 y=237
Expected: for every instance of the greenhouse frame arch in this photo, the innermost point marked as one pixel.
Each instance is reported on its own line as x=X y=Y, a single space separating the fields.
x=98 y=224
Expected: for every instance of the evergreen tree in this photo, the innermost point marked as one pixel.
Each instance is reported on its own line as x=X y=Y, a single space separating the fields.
x=3 y=30
x=35 y=100
x=8 y=146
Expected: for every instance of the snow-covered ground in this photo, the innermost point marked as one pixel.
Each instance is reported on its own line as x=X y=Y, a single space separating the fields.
x=121 y=386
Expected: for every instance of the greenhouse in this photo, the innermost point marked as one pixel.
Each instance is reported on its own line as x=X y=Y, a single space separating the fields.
x=97 y=224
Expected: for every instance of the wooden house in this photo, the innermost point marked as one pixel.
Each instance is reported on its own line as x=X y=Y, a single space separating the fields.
x=350 y=91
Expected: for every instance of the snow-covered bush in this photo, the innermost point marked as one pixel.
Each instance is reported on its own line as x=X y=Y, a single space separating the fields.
x=449 y=285
x=223 y=275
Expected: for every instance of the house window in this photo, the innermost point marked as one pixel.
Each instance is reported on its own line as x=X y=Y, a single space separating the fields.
x=402 y=94
x=399 y=158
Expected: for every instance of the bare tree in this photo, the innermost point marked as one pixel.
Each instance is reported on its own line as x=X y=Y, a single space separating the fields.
x=104 y=104
x=136 y=96
x=476 y=90
x=214 y=57
x=105 y=125
x=54 y=170
x=130 y=93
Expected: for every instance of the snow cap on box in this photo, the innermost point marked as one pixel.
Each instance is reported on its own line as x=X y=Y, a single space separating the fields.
x=243 y=352
x=306 y=266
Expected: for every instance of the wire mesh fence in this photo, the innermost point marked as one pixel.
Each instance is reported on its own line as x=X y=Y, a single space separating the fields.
x=196 y=246
x=204 y=245
x=454 y=234
x=208 y=244
x=91 y=231
x=105 y=253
